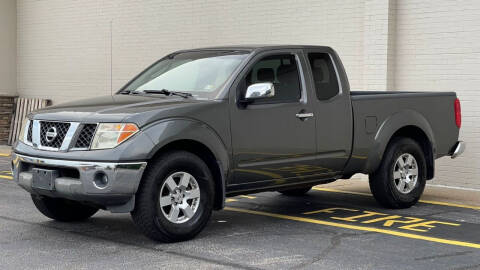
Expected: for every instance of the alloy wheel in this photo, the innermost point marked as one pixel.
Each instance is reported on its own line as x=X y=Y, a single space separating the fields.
x=179 y=197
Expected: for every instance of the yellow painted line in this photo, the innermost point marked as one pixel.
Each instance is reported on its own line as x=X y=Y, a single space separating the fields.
x=422 y=201
x=451 y=204
x=327 y=210
x=358 y=228
x=341 y=191
x=6 y=177
x=4 y=155
x=230 y=200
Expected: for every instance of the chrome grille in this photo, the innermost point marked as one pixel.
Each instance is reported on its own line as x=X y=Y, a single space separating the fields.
x=85 y=137
x=61 y=130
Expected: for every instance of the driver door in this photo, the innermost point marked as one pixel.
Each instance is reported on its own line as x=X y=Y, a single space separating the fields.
x=273 y=138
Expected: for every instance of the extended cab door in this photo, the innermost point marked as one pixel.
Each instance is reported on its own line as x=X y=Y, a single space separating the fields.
x=332 y=108
x=273 y=138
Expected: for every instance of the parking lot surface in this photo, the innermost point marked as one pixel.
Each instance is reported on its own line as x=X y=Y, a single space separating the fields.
x=329 y=228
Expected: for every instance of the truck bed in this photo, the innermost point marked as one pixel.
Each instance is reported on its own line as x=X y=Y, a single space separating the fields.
x=433 y=111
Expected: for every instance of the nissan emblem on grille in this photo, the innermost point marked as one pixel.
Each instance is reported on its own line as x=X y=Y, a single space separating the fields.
x=51 y=134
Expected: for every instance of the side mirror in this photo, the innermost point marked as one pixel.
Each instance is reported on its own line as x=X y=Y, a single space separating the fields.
x=260 y=90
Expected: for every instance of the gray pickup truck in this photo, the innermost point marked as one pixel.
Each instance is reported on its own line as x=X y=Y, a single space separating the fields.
x=200 y=125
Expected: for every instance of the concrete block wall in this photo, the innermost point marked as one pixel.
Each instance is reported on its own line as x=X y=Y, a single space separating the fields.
x=71 y=49
x=8 y=41
x=438 y=49
x=66 y=48
x=378 y=40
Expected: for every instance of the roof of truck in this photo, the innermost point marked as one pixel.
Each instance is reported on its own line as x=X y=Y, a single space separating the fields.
x=253 y=47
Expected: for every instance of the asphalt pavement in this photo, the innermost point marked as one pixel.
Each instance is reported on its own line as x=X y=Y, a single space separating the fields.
x=329 y=228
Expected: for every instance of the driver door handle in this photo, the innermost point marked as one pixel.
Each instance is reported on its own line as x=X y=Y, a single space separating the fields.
x=303 y=115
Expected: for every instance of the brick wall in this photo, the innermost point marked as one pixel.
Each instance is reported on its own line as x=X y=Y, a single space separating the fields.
x=8 y=42
x=438 y=49
x=378 y=48
x=6 y=113
x=64 y=45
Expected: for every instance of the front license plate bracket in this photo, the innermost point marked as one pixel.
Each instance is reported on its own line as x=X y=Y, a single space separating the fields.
x=44 y=178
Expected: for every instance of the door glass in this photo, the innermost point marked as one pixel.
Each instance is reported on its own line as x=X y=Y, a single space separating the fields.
x=324 y=75
x=282 y=71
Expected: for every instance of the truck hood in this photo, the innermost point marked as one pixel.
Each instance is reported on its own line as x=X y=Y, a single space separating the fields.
x=116 y=108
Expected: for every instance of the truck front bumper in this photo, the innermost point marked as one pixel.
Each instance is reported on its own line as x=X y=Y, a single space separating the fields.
x=109 y=185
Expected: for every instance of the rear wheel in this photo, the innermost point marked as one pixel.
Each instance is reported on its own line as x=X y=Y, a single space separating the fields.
x=296 y=191
x=63 y=209
x=175 y=199
x=400 y=180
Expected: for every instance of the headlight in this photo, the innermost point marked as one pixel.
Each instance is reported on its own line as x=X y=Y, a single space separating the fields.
x=21 y=135
x=109 y=135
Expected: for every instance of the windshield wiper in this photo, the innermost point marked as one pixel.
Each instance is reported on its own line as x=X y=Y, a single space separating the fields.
x=168 y=93
x=128 y=92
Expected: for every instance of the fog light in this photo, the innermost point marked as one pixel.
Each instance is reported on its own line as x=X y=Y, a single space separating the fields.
x=100 y=180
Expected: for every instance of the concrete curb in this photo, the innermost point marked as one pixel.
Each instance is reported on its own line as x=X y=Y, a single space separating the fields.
x=437 y=194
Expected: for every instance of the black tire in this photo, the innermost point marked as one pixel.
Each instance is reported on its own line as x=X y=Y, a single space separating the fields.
x=382 y=182
x=147 y=214
x=295 y=191
x=62 y=209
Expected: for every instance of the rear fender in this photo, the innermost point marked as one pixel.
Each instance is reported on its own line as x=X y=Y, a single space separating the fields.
x=388 y=128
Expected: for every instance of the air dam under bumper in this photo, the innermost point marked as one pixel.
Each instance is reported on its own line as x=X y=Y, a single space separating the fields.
x=117 y=195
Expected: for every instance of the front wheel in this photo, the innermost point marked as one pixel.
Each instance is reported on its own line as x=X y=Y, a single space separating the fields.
x=400 y=180
x=175 y=199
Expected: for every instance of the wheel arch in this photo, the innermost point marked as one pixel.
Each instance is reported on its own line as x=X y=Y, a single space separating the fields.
x=418 y=135
x=409 y=124
x=204 y=153
x=197 y=138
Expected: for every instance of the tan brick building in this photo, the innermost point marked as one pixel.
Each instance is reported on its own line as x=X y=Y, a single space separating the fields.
x=67 y=49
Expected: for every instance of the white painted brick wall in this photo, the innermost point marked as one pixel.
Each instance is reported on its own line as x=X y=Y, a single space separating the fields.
x=64 y=46
x=8 y=82
x=377 y=44
x=438 y=49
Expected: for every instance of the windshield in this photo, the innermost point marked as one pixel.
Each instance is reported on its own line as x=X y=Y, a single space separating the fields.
x=201 y=73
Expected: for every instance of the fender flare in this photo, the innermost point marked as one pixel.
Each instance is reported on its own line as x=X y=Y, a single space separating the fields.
x=171 y=130
x=388 y=128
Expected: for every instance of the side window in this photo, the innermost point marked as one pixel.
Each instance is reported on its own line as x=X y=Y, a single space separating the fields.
x=282 y=71
x=324 y=76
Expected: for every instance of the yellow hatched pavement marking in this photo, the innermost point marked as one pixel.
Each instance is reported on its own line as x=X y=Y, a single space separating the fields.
x=356 y=227
x=6 y=177
x=422 y=201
